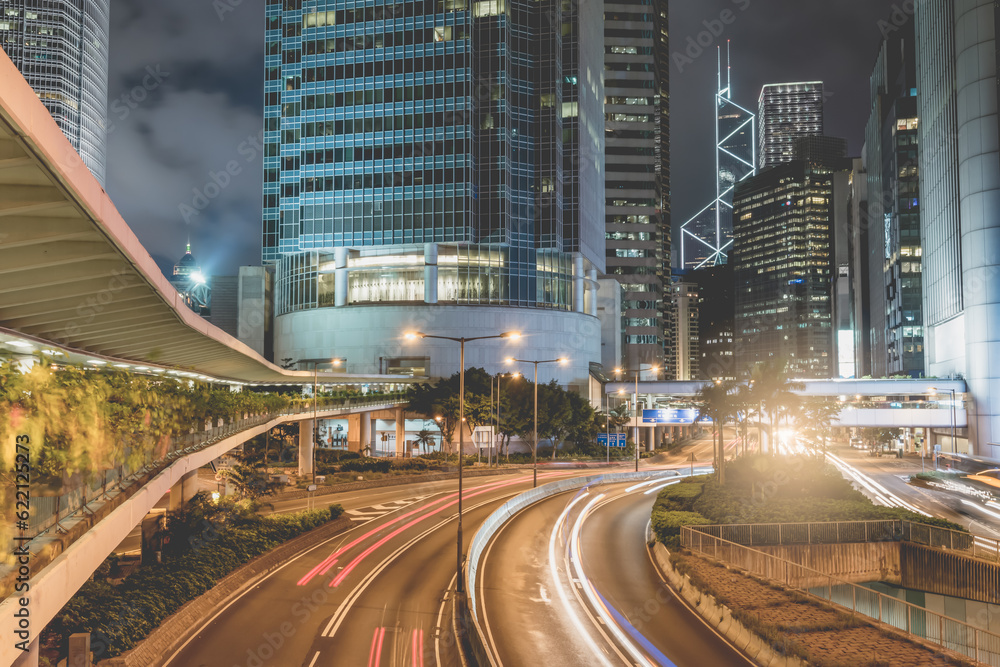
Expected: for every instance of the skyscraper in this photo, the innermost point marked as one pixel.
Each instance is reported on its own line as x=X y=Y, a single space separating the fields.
x=783 y=261
x=61 y=48
x=434 y=165
x=959 y=174
x=895 y=251
x=706 y=238
x=786 y=112
x=637 y=117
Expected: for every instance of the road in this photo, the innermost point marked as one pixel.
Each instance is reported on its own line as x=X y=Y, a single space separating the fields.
x=374 y=595
x=569 y=582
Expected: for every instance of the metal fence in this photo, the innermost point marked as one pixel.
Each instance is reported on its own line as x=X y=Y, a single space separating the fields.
x=837 y=532
x=943 y=630
x=49 y=511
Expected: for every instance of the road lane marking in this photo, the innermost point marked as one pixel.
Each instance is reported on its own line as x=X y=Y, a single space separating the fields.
x=315 y=658
x=437 y=628
x=338 y=618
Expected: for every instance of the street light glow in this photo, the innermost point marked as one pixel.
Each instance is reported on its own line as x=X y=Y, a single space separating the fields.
x=511 y=335
x=412 y=335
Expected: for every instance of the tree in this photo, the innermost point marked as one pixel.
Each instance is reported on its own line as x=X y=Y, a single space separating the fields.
x=424 y=439
x=583 y=425
x=250 y=480
x=773 y=390
x=620 y=416
x=554 y=414
x=746 y=405
x=815 y=418
x=716 y=401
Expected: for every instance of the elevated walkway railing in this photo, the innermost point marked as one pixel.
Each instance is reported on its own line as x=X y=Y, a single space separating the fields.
x=49 y=511
x=839 y=532
x=979 y=644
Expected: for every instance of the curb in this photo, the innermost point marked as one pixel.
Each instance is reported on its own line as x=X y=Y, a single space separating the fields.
x=717 y=616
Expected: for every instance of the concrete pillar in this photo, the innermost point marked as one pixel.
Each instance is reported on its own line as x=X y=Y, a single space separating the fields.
x=430 y=273
x=579 y=284
x=340 y=279
x=592 y=292
x=28 y=658
x=79 y=650
x=651 y=445
x=365 y=432
x=184 y=489
x=401 y=433
x=306 y=445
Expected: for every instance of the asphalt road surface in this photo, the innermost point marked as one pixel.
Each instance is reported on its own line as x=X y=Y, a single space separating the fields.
x=375 y=595
x=569 y=581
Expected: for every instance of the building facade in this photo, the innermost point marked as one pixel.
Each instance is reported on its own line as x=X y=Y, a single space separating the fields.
x=684 y=295
x=716 y=310
x=61 y=48
x=959 y=164
x=895 y=256
x=435 y=166
x=706 y=238
x=637 y=194
x=784 y=263
x=785 y=113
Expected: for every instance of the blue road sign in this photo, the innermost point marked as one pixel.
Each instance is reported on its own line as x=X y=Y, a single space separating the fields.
x=672 y=416
x=617 y=439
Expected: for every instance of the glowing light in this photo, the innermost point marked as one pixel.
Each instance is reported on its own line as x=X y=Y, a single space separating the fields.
x=198 y=277
x=20 y=343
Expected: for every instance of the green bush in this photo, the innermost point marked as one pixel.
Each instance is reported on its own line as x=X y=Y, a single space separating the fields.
x=679 y=497
x=366 y=465
x=667 y=525
x=206 y=543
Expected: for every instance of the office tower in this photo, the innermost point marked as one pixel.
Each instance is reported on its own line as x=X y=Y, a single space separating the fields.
x=956 y=46
x=637 y=147
x=783 y=262
x=61 y=48
x=716 y=310
x=684 y=295
x=437 y=166
x=895 y=252
x=786 y=112
x=706 y=238
x=859 y=292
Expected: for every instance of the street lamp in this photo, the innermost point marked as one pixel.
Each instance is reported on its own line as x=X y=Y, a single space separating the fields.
x=635 y=409
x=413 y=335
x=333 y=362
x=534 y=449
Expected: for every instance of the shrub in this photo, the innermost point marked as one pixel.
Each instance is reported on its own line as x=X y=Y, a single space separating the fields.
x=208 y=543
x=667 y=525
x=679 y=497
x=366 y=465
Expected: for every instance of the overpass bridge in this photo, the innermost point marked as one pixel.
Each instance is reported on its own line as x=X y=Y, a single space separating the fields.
x=932 y=404
x=76 y=286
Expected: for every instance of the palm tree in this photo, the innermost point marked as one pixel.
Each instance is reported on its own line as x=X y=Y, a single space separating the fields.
x=773 y=390
x=424 y=439
x=746 y=405
x=716 y=401
x=815 y=417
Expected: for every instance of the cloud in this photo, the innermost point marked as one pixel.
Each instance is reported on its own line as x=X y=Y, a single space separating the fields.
x=168 y=139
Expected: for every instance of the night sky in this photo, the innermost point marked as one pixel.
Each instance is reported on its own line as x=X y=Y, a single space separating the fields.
x=202 y=112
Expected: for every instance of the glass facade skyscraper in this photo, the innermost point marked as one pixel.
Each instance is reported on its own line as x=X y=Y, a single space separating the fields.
x=786 y=112
x=895 y=251
x=637 y=115
x=431 y=154
x=784 y=262
x=707 y=238
x=61 y=48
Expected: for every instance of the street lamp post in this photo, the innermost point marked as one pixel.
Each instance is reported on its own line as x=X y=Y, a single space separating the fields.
x=534 y=449
x=635 y=406
x=459 y=584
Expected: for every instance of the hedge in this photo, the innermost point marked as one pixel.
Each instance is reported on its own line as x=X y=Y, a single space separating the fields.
x=211 y=546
